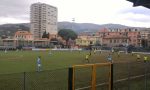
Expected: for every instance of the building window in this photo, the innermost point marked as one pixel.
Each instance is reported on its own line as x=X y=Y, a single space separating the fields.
x=125 y=41
x=110 y=41
x=114 y=41
x=117 y=41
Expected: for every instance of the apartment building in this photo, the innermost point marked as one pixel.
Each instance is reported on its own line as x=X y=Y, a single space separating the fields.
x=23 y=35
x=43 y=17
x=120 y=37
x=111 y=37
x=86 y=39
x=145 y=38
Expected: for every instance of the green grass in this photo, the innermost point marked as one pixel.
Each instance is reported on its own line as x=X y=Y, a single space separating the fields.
x=14 y=62
x=25 y=61
x=55 y=70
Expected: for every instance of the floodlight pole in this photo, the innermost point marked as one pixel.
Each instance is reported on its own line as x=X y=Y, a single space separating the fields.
x=73 y=20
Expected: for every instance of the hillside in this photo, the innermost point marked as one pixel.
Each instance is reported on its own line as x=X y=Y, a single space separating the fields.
x=81 y=27
x=10 y=29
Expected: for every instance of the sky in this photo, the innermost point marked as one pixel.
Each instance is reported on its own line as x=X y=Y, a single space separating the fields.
x=84 y=11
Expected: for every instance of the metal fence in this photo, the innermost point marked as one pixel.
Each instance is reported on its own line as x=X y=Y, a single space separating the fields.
x=44 y=80
x=125 y=76
x=117 y=76
x=91 y=77
x=131 y=76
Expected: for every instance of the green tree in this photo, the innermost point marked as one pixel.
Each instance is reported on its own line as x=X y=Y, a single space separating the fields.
x=45 y=35
x=67 y=34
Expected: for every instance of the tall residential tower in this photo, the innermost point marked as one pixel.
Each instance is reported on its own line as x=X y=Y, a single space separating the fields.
x=43 y=17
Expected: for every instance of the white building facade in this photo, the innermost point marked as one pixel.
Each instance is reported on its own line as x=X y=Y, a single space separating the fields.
x=43 y=17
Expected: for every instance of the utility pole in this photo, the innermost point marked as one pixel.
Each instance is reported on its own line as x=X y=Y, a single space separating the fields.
x=73 y=20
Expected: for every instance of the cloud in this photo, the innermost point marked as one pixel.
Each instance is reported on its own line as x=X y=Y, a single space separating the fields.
x=10 y=8
x=91 y=11
x=14 y=11
x=140 y=18
x=135 y=17
x=135 y=10
x=11 y=20
x=139 y=15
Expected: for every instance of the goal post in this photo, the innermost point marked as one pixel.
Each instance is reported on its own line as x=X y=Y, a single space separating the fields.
x=93 y=76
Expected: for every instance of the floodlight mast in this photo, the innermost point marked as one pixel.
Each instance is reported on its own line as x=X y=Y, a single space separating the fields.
x=73 y=20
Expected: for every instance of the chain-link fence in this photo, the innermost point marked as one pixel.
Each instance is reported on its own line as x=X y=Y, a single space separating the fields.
x=102 y=78
x=83 y=78
x=125 y=76
x=12 y=81
x=44 y=80
x=116 y=76
x=131 y=76
x=91 y=76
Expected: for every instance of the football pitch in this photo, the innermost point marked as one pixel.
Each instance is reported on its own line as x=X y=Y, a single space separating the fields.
x=54 y=75
x=25 y=61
